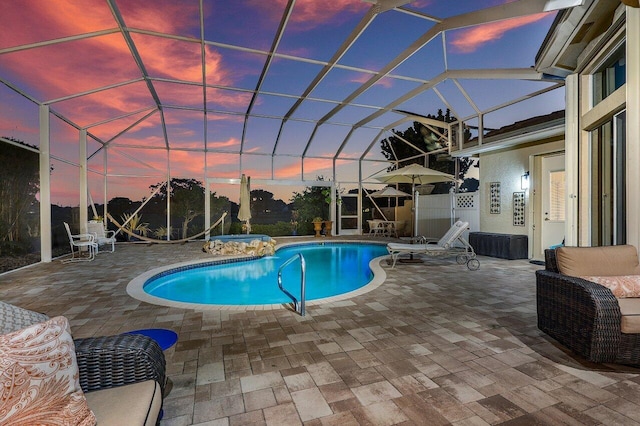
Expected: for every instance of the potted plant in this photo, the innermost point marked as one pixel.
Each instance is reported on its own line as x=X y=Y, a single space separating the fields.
x=317 y=225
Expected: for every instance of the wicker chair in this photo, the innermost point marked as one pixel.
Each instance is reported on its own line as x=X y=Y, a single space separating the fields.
x=583 y=316
x=107 y=362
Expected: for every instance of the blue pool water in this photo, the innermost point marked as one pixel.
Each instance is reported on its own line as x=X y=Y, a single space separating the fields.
x=331 y=269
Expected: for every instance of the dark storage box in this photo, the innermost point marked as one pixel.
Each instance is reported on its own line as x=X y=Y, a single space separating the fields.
x=504 y=246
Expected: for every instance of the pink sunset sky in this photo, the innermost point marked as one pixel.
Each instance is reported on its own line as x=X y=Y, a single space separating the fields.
x=74 y=57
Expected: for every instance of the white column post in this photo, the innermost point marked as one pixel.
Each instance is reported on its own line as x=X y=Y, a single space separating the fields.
x=571 y=158
x=45 y=185
x=84 y=187
x=207 y=208
x=633 y=124
x=104 y=184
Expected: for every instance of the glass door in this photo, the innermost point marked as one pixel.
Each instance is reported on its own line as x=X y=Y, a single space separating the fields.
x=608 y=201
x=348 y=214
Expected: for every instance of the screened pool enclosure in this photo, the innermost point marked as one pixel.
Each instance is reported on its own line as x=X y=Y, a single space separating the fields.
x=110 y=100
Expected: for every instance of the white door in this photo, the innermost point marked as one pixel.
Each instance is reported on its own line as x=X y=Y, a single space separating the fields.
x=553 y=201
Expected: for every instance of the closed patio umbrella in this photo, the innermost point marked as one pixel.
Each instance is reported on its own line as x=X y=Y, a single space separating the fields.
x=244 y=213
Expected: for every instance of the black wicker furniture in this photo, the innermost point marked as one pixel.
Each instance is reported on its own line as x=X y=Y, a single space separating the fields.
x=110 y=361
x=123 y=377
x=584 y=316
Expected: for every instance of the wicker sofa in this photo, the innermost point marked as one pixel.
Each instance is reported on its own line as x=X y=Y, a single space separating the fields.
x=583 y=315
x=122 y=376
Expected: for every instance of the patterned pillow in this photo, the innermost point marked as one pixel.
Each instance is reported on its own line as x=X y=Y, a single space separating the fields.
x=13 y=318
x=39 y=381
x=620 y=285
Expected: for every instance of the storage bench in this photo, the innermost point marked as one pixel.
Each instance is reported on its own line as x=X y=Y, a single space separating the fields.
x=504 y=246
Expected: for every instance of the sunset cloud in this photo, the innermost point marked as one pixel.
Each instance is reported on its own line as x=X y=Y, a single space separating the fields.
x=231 y=142
x=471 y=39
x=312 y=13
x=386 y=82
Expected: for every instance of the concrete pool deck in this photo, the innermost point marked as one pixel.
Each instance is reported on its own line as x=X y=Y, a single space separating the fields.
x=434 y=344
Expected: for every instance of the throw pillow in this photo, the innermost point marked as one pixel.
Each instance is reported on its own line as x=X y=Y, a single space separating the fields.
x=39 y=379
x=620 y=285
x=13 y=318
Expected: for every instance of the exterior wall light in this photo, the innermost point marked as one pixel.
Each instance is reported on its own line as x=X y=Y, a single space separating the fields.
x=524 y=181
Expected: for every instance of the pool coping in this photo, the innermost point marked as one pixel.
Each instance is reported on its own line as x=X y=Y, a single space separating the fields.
x=135 y=286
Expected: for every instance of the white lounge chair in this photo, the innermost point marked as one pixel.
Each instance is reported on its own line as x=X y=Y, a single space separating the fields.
x=81 y=241
x=101 y=235
x=451 y=243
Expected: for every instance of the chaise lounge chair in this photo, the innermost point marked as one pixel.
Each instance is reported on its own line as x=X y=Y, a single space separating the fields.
x=451 y=243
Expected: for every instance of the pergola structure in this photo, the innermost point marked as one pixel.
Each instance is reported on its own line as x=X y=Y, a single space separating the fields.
x=133 y=92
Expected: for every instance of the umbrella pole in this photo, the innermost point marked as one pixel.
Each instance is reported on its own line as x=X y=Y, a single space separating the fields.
x=414 y=224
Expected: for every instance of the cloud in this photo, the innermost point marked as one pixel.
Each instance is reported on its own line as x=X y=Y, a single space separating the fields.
x=362 y=78
x=308 y=14
x=471 y=39
x=58 y=70
x=311 y=167
x=225 y=144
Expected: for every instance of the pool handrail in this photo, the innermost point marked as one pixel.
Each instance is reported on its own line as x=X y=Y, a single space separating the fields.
x=299 y=306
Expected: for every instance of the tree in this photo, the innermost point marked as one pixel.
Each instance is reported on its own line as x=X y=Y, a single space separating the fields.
x=310 y=204
x=425 y=140
x=187 y=199
x=19 y=184
x=266 y=209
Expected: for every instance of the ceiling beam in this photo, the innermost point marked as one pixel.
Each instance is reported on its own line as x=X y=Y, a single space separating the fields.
x=267 y=64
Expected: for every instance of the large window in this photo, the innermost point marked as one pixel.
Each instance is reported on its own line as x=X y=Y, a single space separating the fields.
x=608 y=202
x=610 y=76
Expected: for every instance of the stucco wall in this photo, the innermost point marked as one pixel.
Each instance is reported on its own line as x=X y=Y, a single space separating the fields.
x=507 y=166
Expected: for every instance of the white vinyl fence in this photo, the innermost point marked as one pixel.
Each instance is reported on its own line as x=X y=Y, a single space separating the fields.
x=436 y=213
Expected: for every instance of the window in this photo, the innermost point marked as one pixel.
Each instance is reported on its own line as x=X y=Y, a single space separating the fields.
x=556 y=194
x=608 y=201
x=610 y=76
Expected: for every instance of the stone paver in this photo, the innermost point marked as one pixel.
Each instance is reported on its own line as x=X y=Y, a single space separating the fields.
x=435 y=341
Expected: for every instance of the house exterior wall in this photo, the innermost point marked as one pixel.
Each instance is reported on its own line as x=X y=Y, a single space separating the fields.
x=588 y=117
x=506 y=167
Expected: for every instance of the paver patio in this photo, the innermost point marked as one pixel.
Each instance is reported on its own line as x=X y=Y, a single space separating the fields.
x=435 y=344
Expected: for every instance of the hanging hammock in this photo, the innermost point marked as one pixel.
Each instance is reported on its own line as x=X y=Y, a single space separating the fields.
x=154 y=241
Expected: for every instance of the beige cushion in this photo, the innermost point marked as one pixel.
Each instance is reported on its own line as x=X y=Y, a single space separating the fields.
x=630 y=309
x=39 y=379
x=622 y=286
x=135 y=404
x=598 y=261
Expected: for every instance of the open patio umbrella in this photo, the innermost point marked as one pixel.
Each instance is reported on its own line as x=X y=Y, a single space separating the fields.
x=244 y=213
x=415 y=174
x=389 y=192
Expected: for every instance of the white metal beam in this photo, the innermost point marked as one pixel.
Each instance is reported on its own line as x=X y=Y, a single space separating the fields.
x=45 y=185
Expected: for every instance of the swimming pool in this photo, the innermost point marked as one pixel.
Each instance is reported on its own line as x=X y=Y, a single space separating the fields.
x=332 y=269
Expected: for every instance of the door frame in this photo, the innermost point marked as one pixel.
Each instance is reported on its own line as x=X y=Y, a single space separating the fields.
x=536 y=212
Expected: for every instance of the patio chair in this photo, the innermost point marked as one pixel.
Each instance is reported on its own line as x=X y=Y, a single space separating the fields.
x=584 y=316
x=451 y=243
x=376 y=228
x=81 y=242
x=122 y=376
x=102 y=236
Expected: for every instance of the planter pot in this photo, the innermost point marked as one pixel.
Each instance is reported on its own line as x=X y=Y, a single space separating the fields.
x=328 y=225
x=317 y=226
